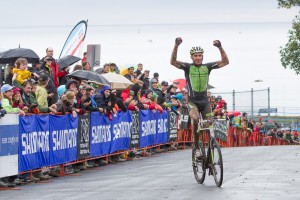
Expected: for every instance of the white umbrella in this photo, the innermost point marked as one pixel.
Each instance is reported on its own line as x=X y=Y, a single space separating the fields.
x=117 y=81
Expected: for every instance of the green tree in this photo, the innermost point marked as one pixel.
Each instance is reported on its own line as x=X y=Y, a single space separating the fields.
x=290 y=53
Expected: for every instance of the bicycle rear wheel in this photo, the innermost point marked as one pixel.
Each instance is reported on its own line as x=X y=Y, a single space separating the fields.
x=199 y=164
x=216 y=163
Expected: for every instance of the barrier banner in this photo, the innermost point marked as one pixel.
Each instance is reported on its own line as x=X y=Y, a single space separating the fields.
x=135 y=130
x=162 y=127
x=121 y=131
x=172 y=127
x=100 y=134
x=221 y=129
x=63 y=138
x=184 y=118
x=83 y=136
x=9 y=141
x=34 y=142
x=147 y=128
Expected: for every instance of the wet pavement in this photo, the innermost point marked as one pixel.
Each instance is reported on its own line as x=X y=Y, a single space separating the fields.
x=249 y=173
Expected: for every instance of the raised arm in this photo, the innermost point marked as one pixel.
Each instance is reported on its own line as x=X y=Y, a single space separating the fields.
x=224 y=57
x=174 y=60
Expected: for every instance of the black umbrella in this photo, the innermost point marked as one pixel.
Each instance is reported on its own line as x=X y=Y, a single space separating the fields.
x=89 y=75
x=10 y=56
x=67 y=61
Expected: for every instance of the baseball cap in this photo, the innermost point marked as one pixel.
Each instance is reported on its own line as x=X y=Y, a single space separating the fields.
x=43 y=77
x=165 y=83
x=6 y=87
x=155 y=74
x=154 y=81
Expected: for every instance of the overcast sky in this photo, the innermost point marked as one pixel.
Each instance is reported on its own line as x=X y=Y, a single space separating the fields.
x=16 y=13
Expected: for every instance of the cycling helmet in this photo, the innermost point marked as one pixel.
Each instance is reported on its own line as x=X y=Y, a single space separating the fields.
x=219 y=97
x=196 y=50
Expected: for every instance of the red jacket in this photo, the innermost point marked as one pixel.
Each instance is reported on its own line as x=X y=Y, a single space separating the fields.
x=56 y=74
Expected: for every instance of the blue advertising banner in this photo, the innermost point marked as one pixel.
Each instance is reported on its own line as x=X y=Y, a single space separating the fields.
x=63 y=138
x=162 y=128
x=33 y=142
x=147 y=128
x=100 y=134
x=9 y=144
x=121 y=131
x=9 y=139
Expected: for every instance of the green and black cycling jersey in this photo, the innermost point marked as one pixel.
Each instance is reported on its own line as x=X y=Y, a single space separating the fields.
x=197 y=78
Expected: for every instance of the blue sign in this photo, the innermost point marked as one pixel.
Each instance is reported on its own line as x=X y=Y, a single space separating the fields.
x=9 y=139
x=162 y=128
x=121 y=131
x=147 y=128
x=100 y=134
x=33 y=142
x=63 y=138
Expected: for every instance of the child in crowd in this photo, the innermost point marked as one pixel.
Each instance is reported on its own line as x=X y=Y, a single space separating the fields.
x=21 y=73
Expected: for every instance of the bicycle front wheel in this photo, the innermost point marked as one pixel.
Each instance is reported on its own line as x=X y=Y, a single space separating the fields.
x=199 y=167
x=216 y=163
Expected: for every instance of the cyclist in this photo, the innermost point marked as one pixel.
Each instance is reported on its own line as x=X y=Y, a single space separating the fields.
x=197 y=76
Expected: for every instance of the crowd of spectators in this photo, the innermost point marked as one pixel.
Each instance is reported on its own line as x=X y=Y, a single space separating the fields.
x=45 y=88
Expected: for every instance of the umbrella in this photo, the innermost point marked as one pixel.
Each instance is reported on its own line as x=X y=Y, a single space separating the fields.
x=235 y=113
x=67 y=61
x=180 y=83
x=117 y=81
x=89 y=75
x=10 y=56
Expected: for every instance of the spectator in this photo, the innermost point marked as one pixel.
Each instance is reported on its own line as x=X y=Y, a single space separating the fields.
x=9 y=75
x=139 y=69
x=135 y=104
x=280 y=133
x=155 y=77
x=36 y=68
x=17 y=101
x=104 y=100
x=287 y=136
x=64 y=79
x=172 y=89
x=29 y=98
x=272 y=132
x=6 y=91
x=84 y=59
x=164 y=87
x=86 y=66
x=130 y=76
x=77 y=67
x=295 y=136
x=114 y=68
x=42 y=95
x=147 y=101
x=66 y=103
x=104 y=70
x=145 y=78
x=46 y=69
x=21 y=72
x=86 y=99
x=155 y=89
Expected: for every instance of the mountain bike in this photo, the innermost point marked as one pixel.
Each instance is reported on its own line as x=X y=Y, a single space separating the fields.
x=212 y=159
